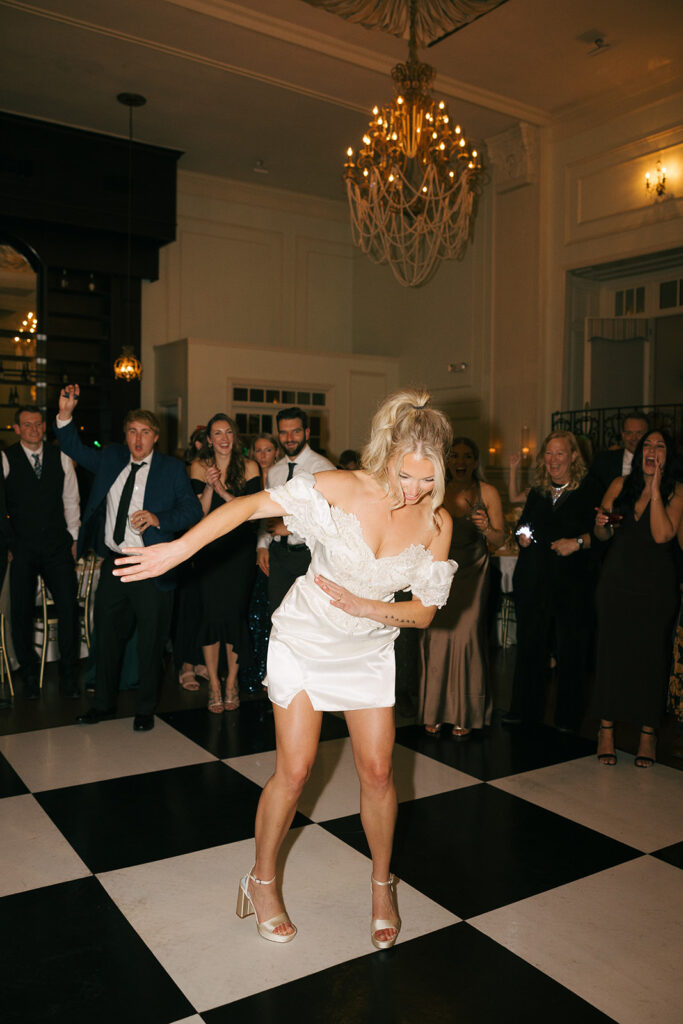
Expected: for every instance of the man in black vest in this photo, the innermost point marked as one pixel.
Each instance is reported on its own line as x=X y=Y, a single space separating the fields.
x=43 y=508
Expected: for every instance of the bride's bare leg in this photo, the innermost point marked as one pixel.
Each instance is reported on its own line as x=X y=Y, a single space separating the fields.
x=372 y=738
x=297 y=731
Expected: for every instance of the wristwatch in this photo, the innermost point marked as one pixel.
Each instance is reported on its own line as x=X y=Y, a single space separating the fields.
x=579 y=541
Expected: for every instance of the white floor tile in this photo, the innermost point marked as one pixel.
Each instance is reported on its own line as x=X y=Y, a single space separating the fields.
x=614 y=938
x=196 y=1019
x=184 y=909
x=33 y=852
x=640 y=807
x=333 y=789
x=76 y=754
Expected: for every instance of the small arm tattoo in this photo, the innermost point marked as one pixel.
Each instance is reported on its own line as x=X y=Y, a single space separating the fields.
x=399 y=621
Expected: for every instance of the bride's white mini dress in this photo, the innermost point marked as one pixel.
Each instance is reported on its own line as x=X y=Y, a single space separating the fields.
x=343 y=662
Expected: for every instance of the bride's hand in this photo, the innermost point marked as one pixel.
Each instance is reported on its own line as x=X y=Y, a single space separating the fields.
x=342 y=598
x=145 y=563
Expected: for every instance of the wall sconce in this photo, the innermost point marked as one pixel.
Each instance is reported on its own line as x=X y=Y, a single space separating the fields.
x=493 y=451
x=656 y=187
x=127 y=367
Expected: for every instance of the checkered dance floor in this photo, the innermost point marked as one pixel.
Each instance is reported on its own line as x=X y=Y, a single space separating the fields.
x=535 y=885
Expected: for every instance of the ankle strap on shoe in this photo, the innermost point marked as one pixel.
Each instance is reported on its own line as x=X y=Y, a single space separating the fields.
x=389 y=882
x=261 y=881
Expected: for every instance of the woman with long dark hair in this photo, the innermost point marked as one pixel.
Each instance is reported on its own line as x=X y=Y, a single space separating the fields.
x=637 y=596
x=226 y=568
x=264 y=451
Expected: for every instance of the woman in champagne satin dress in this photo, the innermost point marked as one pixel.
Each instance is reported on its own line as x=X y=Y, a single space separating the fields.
x=454 y=684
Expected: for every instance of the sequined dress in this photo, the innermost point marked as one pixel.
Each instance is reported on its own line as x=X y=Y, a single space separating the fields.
x=343 y=662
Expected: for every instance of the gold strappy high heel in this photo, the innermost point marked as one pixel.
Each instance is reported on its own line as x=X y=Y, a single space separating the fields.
x=245 y=907
x=378 y=924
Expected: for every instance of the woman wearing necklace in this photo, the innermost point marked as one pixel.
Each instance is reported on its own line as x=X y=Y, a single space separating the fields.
x=553 y=584
x=454 y=650
x=639 y=515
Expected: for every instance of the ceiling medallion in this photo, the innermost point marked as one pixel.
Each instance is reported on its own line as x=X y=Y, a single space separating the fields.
x=412 y=184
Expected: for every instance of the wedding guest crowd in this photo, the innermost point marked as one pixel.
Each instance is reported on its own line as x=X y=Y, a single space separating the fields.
x=589 y=537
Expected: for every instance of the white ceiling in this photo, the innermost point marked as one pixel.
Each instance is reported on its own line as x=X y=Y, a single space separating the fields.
x=230 y=83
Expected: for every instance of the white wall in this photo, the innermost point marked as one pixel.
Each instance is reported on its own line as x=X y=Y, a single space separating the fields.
x=209 y=370
x=258 y=274
x=269 y=278
x=599 y=211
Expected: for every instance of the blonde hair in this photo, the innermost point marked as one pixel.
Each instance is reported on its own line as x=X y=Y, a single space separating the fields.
x=577 y=469
x=403 y=425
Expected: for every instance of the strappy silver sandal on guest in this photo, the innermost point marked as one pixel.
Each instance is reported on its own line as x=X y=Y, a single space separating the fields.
x=378 y=924
x=245 y=907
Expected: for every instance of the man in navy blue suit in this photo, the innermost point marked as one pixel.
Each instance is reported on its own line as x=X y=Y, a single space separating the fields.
x=137 y=495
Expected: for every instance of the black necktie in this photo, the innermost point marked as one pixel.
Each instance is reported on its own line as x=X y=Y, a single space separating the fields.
x=124 y=503
x=36 y=464
x=290 y=470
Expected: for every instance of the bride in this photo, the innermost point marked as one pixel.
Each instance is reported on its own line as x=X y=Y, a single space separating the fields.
x=372 y=532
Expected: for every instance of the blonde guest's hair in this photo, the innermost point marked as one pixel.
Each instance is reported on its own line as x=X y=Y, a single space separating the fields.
x=405 y=424
x=577 y=470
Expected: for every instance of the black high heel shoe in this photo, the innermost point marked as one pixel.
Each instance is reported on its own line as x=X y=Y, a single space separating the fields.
x=607 y=759
x=643 y=760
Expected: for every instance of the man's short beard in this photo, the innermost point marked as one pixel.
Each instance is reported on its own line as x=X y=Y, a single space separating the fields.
x=299 y=448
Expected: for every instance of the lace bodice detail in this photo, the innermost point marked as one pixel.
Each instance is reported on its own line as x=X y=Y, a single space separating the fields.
x=340 y=552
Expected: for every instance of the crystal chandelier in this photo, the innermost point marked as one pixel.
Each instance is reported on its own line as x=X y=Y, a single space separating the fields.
x=411 y=186
x=127 y=367
x=29 y=326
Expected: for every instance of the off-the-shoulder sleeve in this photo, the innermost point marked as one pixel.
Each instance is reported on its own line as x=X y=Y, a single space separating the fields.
x=432 y=581
x=306 y=512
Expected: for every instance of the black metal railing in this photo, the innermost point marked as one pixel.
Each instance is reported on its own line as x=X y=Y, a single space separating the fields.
x=603 y=426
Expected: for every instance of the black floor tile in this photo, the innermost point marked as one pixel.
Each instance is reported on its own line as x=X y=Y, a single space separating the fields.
x=147 y=817
x=486 y=848
x=498 y=751
x=671 y=854
x=71 y=957
x=250 y=730
x=454 y=975
x=10 y=783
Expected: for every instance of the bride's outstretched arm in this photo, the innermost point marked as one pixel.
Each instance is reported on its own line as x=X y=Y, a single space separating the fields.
x=155 y=560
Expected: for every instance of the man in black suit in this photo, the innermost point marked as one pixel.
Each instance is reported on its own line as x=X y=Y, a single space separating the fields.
x=138 y=496
x=5 y=702
x=607 y=466
x=43 y=507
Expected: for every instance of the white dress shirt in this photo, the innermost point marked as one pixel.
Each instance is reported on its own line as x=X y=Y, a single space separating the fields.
x=70 y=495
x=307 y=461
x=626 y=462
x=131 y=539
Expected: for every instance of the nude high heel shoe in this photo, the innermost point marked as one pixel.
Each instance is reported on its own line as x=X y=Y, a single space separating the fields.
x=245 y=907
x=377 y=924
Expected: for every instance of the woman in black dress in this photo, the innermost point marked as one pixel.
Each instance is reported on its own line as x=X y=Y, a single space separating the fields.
x=226 y=567
x=264 y=451
x=553 y=584
x=640 y=515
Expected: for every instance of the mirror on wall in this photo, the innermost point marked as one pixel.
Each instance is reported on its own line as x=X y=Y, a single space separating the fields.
x=18 y=337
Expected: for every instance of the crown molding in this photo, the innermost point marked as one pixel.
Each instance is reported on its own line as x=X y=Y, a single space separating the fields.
x=180 y=54
x=297 y=36
x=360 y=56
x=208 y=186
